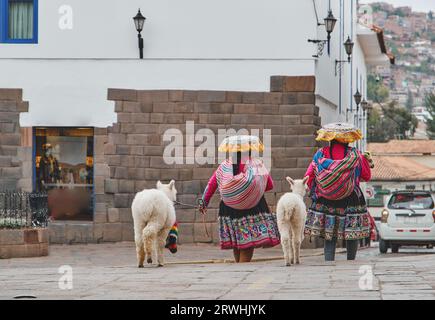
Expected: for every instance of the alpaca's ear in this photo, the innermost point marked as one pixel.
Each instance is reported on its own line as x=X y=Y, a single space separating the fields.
x=305 y=179
x=290 y=180
x=171 y=184
x=159 y=184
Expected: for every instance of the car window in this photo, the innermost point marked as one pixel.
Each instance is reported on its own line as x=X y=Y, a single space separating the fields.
x=415 y=201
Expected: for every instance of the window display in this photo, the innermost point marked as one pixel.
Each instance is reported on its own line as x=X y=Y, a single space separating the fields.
x=64 y=169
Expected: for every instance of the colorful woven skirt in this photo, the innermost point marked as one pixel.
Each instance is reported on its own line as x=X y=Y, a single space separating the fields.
x=346 y=219
x=250 y=228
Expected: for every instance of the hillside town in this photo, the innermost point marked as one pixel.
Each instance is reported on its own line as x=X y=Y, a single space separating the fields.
x=411 y=37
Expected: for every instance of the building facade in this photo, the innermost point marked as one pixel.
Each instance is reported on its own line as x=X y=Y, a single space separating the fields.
x=96 y=112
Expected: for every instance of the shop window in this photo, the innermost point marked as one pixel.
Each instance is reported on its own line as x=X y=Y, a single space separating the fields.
x=19 y=21
x=64 y=168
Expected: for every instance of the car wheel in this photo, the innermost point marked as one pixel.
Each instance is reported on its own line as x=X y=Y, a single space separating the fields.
x=394 y=248
x=383 y=246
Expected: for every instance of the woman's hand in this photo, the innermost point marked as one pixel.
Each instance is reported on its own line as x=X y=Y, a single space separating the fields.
x=202 y=207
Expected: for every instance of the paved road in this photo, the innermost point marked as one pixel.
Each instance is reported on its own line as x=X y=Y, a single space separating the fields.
x=107 y=271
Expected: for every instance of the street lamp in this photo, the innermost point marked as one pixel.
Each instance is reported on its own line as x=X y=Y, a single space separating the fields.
x=139 y=21
x=365 y=105
x=357 y=96
x=348 y=47
x=330 y=21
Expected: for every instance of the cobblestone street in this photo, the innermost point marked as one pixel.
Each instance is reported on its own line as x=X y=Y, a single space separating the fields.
x=107 y=271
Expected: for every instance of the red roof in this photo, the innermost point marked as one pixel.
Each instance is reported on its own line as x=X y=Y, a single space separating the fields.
x=396 y=168
x=403 y=147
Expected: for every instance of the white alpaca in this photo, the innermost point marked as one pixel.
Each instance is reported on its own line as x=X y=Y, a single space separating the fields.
x=153 y=216
x=291 y=214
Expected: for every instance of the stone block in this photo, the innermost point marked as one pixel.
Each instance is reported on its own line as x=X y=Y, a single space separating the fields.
x=127 y=232
x=122 y=95
x=185 y=215
x=79 y=233
x=121 y=173
x=141 y=117
x=57 y=232
x=211 y=96
x=190 y=95
x=31 y=236
x=113 y=214
x=200 y=233
x=293 y=83
x=151 y=96
x=306 y=98
x=11 y=237
x=11 y=172
x=185 y=233
x=111 y=186
x=121 y=200
x=100 y=217
x=11 y=94
x=125 y=186
x=176 y=95
x=253 y=97
x=132 y=107
x=125 y=215
x=112 y=232
x=164 y=107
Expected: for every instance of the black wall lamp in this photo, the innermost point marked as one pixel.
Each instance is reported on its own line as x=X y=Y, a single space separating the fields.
x=139 y=21
x=329 y=23
x=357 y=97
x=348 y=47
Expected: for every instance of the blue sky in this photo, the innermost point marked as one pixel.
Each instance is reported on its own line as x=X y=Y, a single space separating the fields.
x=417 y=5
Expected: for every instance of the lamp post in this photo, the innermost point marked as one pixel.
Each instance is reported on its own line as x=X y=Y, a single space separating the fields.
x=348 y=47
x=357 y=97
x=139 y=21
x=330 y=21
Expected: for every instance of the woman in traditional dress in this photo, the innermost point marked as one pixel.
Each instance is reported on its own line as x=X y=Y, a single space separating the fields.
x=338 y=210
x=245 y=220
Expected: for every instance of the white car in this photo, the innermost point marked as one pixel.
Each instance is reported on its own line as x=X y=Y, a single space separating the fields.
x=407 y=219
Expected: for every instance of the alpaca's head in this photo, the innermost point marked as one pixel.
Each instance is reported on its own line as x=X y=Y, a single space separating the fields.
x=298 y=186
x=168 y=189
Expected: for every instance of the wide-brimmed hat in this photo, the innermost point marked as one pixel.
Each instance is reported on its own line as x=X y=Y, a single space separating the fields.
x=241 y=144
x=339 y=131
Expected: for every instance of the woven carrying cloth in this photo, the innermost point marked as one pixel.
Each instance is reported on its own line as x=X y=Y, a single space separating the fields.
x=336 y=179
x=244 y=190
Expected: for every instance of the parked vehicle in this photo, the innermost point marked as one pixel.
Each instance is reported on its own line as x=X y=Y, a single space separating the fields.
x=408 y=219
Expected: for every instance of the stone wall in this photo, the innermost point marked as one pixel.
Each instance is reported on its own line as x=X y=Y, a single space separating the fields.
x=13 y=174
x=23 y=243
x=129 y=157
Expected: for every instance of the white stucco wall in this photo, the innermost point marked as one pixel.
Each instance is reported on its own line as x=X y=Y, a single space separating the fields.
x=189 y=44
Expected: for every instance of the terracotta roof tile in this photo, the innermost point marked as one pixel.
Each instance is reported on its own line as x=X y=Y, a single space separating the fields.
x=403 y=147
x=396 y=168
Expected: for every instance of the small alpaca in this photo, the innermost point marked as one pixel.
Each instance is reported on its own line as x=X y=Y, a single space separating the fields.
x=153 y=217
x=291 y=215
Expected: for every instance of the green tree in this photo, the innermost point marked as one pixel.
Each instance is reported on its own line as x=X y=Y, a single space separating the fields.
x=375 y=90
x=430 y=106
x=394 y=122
